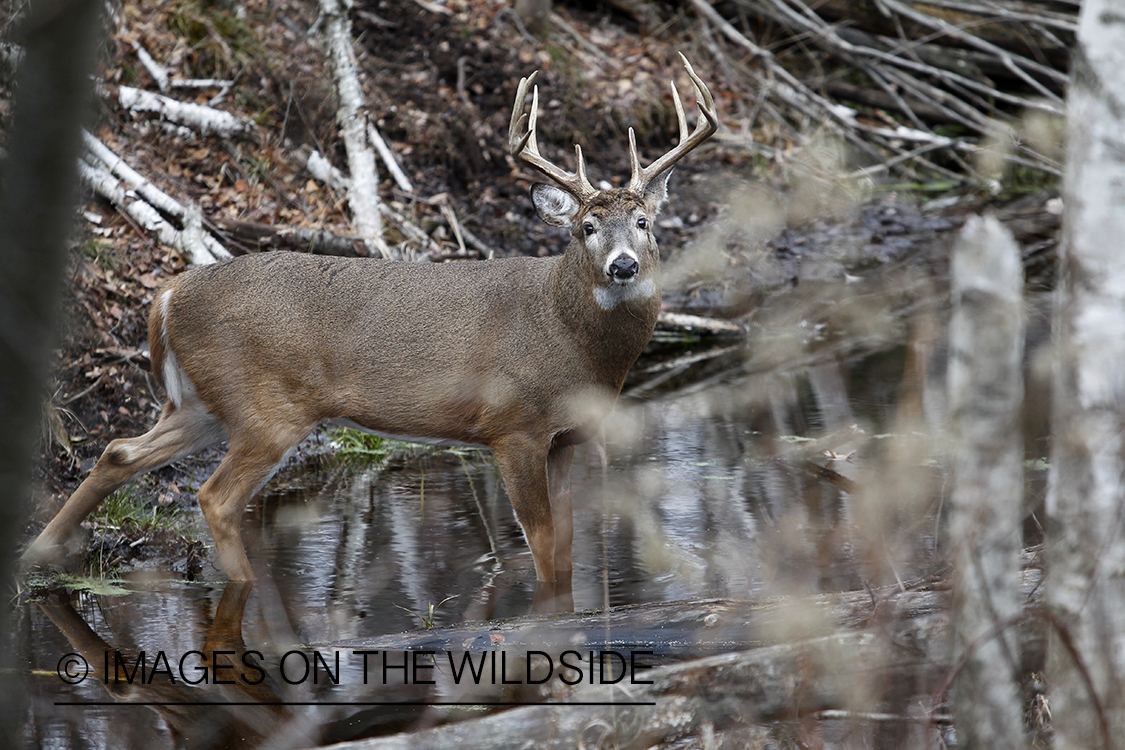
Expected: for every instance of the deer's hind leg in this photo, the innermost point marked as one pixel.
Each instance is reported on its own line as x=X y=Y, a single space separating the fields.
x=179 y=431
x=248 y=465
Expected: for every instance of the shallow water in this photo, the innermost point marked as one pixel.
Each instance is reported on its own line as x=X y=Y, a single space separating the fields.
x=807 y=460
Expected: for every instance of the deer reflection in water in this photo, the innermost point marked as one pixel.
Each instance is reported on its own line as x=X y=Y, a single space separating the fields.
x=207 y=715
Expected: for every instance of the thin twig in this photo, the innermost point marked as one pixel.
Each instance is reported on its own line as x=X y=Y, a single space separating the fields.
x=389 y=159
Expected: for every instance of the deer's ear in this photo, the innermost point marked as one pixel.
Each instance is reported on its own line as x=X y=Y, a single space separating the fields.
x=554 y=205
x=656 y=192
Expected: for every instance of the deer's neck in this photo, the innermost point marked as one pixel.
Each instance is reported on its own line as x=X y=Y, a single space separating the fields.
x=611 y=328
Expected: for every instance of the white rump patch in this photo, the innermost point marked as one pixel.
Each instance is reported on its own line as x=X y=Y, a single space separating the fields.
x=609 y=297
x=176 y=382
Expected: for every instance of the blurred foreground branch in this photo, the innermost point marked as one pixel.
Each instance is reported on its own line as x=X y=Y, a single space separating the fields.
x=986 y=395
x=38 y=187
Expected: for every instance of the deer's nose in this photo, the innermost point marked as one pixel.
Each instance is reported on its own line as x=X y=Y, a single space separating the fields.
x=623 y=269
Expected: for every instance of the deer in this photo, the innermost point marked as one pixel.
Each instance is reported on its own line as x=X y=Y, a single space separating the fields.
x=525 y=356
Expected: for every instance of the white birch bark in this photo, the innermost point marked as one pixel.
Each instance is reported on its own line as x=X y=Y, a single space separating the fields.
x=191 y=242
x=117 y=167
x=1085 y=499
x=198 y=247
x=158 y=72
x=322 y=170
x=363 y=181
x=206 y=120
x=11 y=55
x=986 y=394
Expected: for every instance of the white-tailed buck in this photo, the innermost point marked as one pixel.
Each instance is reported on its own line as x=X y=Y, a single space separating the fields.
x=507 y=353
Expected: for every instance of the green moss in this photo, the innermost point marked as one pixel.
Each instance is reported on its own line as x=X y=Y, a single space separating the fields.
x=221 y=43
x=99 y=586
x=40 y=583
x=102 y=254
x=363 y=447
x=126 y=510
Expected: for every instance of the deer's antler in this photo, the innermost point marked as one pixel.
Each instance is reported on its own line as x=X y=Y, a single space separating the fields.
x=522 y=146
x=707 y=125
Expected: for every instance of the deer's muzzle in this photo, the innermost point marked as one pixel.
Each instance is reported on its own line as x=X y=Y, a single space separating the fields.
x=623 y=269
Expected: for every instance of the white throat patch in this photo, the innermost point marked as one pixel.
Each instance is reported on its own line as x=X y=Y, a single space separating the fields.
x=609 y=297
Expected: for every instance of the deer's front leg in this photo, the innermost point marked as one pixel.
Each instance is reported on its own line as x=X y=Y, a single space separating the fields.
x=558 y=485
x=523 y=464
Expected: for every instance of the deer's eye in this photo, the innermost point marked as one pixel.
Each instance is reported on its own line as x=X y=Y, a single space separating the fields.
x=642 y=223
x=588 y=228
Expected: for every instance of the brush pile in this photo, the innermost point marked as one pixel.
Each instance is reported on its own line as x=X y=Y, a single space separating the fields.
x=957 y=88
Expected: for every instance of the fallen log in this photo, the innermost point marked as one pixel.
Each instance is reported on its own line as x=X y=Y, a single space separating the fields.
x=867 y=672
x=670 y=321
x=679 y=630
x=363 y=181
x=206 y=120
x=254 y=237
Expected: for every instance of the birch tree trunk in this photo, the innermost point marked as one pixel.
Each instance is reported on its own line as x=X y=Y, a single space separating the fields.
x=986 y=394
x=363 y=181
x=1085 y=501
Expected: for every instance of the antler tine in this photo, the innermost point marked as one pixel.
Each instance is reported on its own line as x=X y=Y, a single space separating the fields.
x=680 y=117
x=581 y=173
x=638 y=174
x=524 y=147
x=516 y=124
x=707 y=125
